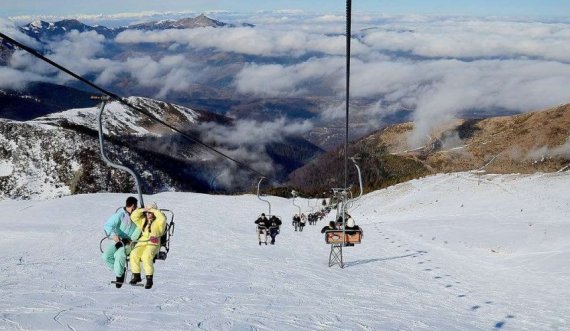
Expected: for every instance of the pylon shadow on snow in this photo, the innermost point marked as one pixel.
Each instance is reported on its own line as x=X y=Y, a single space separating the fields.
x=358 y=262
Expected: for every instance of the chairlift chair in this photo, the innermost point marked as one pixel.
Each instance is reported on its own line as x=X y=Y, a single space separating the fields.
x=169 y=231
x=343 y=237
x=268 y=216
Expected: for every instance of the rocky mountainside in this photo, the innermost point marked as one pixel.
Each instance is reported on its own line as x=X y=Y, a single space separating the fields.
x=524 y=143
x=58 y=154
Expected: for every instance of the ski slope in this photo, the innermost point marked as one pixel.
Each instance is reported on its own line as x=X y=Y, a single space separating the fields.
x=448 y=252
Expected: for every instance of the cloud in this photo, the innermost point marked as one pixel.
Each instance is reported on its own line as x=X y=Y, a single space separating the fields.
x=247 y=141
x=250 y=41
x=297 y=79
x=437 y=68
x=76 y=51
x=436 y=90
x=81 y=53
x=472 y=39
x=253 y=133
x=16 y=79
x=10 y=29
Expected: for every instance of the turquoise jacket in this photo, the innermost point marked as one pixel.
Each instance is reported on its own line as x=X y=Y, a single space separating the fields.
x=120 y=224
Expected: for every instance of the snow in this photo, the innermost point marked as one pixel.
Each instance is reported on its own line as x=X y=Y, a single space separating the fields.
x=6 y=168
x=36 y=24
x=447 y=252
x=119 y=118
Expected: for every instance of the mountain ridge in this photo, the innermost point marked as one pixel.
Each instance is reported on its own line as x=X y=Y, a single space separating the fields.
x=524 y=143
x=43 y=30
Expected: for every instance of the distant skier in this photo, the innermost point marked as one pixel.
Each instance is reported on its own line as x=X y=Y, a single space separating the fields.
x=274 y=224
x=153 y=224
x=302 y=222
x=262 y=226
x=296 y=221
x=122 y=231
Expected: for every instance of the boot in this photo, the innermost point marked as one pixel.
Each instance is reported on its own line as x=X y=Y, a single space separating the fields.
x=148 y=282
x=120 y=281
x=136 y=279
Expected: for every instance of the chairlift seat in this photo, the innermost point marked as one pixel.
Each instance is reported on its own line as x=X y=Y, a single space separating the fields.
x=350 y=237
x=165 y=238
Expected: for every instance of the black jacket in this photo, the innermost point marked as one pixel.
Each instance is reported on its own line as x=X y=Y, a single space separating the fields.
x=327 y=228
x=262 y=222
x=274 y=221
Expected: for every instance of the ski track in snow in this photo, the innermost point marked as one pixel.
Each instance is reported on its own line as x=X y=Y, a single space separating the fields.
x=447 y=252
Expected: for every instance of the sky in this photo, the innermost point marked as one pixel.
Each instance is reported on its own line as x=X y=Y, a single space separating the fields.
x=543 y=8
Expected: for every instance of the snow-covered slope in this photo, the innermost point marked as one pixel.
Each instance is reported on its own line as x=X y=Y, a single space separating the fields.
x=58 y=154
x=448 y=252
x=119 y=119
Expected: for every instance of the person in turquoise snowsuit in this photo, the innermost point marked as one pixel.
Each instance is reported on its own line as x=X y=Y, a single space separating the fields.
x=122 y=231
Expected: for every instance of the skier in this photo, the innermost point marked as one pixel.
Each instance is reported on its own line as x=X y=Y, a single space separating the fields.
x=351 y=228
x=122 y=231
x=274 y=224
x=152 y=223
x=302 y=222
x=262 y=225
x=296 y=221
x=330 y=227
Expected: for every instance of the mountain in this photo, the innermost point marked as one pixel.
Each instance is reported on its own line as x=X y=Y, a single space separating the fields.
x=59 y=152
x=200 y=21
x=40 y=99
x=42 y=30
x=524 y=143
x=445 y=252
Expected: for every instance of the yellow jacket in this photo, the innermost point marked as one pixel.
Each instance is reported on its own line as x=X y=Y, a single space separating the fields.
x=156 y=229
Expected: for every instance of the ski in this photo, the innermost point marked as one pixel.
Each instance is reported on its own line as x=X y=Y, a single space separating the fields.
x=115 y=282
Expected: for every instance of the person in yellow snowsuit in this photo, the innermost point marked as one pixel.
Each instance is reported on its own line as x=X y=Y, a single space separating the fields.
x=152 y=223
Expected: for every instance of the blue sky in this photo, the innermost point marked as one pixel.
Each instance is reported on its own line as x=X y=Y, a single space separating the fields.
x=542 y=8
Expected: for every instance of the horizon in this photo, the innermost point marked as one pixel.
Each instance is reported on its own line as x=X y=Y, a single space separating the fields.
x=486 y=8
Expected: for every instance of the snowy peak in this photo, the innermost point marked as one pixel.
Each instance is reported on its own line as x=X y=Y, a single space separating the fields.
x=200 y=21
x=46 y=30
x=121 y=119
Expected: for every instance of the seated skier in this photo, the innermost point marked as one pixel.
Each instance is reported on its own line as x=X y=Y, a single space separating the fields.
x=274 y=224
x=303 y=222
x=296 y=221
x=351 y=228
x=152 y=223
x=330 y=227
x=262 y=226
x=121 y=230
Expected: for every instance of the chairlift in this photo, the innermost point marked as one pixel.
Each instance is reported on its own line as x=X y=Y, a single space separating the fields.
x=169 y=231
x=296 y=223
x=343 y=237
x=263 y=230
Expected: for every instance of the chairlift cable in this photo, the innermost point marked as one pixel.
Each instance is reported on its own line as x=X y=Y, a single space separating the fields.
x=126 y=103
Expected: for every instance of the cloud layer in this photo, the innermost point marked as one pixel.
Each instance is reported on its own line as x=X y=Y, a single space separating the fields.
x=437 y=68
